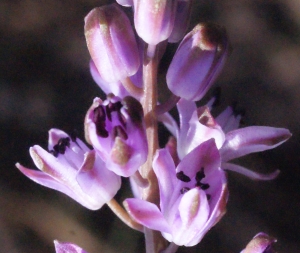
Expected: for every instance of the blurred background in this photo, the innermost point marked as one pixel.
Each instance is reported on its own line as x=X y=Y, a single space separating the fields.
x=45 y=83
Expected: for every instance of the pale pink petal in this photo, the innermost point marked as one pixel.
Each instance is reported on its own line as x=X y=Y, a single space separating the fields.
x=205 y=155
x=66 y=247
x=99 y=183
x=47 y=181
x=147 y=214
x=194 y=212
x=57 y=167
x=164 y=169
x=252 y=139
x=249 y=173
x=227 y=120
x=115 y=88
x=192 y=132
x=216 y=214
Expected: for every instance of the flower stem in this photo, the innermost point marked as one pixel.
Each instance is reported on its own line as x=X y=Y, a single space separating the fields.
x=149 y=103
x=154 y=241
x=167 y=105
x=172 y=248
x=123 y=215
x=131 y=88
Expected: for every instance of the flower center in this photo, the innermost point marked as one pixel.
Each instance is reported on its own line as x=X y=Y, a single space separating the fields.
x=198 y=178
x=60 y=147
x=104 y=113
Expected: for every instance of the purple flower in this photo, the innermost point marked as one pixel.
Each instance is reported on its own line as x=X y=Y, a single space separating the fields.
x=66 y=247
x=73 y=169
x=111 y=43
x=197 y=125
x=193 y=195
x=261 y=243
x=154 y=19
x=197 y=61
x=116 y=130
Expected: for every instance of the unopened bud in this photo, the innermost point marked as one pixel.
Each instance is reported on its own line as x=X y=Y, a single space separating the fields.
x=111 y=43
x=126 y=3
x=197 y=61
x=261 y=243
x=182 y=20
x=154 y=19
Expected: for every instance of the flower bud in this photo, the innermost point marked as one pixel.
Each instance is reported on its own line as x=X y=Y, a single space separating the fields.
x=154 y=19
x=182 y=20
x=261 y=243
x=126 y=3
x=67 y=247
x=116 y=130
x=116 y=88
x=197 y=61
x=111 y=43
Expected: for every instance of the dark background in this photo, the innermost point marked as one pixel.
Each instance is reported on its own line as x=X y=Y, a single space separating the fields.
x=45 y=83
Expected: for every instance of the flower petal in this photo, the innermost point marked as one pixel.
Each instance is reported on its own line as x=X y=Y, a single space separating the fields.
x=115 y=88
x=227 y=120
x=147 y=214
x=58 y=168
x=205 y=155
x=252 y=139
x=217 y=212
x=249 y=173
x=192 y=132
x=164 y=169
x=48 y=181
x=99 y=183
x=259 y=244
x=194 y=212
x=66 y=247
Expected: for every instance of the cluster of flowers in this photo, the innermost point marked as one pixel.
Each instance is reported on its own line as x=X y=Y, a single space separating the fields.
x=181 y=189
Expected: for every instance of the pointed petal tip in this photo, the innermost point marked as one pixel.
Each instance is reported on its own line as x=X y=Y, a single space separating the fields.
x=249 y=173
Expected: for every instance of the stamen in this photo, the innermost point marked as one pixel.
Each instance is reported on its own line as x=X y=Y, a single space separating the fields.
x=182 y=177
x=112 y=107
x=184 y=190
x=108 y=111
x=120 y=132
x=200 y=175
x=122 y=119
x=60 y=147
x=202 y=186
x=99 y=120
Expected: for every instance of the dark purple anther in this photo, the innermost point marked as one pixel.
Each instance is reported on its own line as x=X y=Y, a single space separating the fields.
x=200 y=175
x=182 y=177
x=99 y=120
x=184 y=190
x=202 y=186
x=120 y=132
x=112 y=107
x=60 y=147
